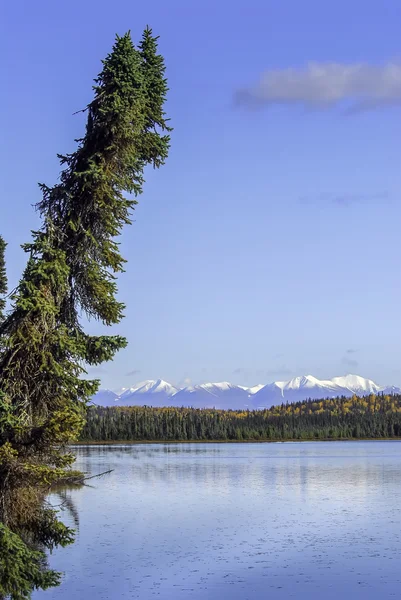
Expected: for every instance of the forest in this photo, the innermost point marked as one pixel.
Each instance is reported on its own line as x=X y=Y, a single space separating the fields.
x=374 y=416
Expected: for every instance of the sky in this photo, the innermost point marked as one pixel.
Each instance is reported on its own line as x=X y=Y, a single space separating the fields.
x=268 y=245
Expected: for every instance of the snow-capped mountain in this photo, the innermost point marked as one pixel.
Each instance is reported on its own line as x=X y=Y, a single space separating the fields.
x=357 y=384
x=252 y=390
x=139 y=395
x=209 y=395
x=307 y=386
x=228 y=396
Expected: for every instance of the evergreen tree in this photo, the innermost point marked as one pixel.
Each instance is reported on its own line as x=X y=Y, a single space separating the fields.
x=88 y=208
x=72 y=268
x=3 y=278
x=155 y=147
x=336 y=418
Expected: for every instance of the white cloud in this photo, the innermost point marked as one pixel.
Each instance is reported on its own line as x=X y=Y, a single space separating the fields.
x=321 y=85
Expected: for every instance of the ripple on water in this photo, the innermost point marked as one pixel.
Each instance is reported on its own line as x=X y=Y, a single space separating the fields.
x=251 y=521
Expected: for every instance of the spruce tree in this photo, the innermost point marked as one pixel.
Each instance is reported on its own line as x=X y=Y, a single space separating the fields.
x=3 y=278
x=73 y=263
x=88 y=208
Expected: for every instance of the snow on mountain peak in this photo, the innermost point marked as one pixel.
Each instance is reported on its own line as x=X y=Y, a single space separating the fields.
x=229 y=396
x=254 y=389
x=155 y=387
x=137 y=394
x=356 y=383
x=128 y=391
x=223 y=385
x=300 y=382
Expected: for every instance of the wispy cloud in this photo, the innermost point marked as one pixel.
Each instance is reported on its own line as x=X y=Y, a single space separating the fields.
x=133 y=373
x=349 y=362
x=344 y=198
x=360 y=86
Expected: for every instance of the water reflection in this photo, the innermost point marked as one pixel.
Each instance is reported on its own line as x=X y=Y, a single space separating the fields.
x=207 y=521
x=62 y=499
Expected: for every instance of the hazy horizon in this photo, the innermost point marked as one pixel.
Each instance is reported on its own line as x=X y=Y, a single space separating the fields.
x=135 y=383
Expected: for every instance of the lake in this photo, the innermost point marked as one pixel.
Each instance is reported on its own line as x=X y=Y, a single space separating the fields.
x=236 y=521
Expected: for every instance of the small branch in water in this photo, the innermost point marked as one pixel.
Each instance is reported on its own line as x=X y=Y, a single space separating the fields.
x=99 y=475
x=78 y=478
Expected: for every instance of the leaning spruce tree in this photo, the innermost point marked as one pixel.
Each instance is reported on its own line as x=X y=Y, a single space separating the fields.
x=3 y=285
x=72 y=267
x=3 y=278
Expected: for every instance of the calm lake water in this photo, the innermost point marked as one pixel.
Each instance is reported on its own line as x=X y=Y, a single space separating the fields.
x=236 y=521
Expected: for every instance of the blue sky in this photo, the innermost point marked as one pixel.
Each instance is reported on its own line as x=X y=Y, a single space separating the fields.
x=268 y=246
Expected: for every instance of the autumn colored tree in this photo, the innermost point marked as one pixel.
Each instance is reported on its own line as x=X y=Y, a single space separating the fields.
x=373 y=417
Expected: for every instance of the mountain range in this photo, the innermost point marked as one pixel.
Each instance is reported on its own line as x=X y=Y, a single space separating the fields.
x=228 y=396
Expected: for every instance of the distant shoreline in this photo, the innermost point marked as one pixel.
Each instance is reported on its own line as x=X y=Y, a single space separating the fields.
x=146 y=442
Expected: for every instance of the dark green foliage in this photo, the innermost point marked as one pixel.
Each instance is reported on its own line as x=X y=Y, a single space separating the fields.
x=73 y=263
x=155 y=147
x=88 y=208
x=21 y=569
x=340 y=418
x=3 y=278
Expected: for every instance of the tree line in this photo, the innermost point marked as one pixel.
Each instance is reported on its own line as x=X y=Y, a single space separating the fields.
x=72 y=265
x=373 y=416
